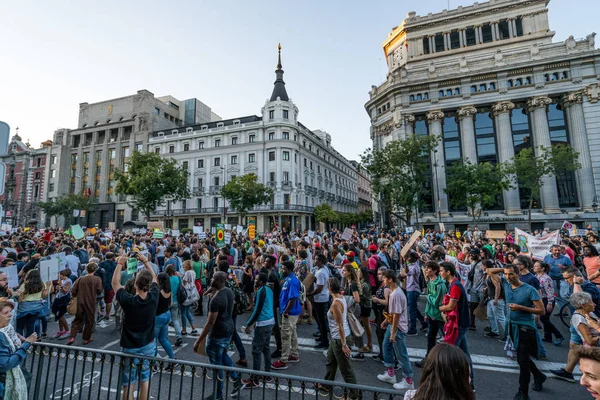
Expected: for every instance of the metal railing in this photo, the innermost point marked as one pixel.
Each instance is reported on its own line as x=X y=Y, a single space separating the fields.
x=65 y=372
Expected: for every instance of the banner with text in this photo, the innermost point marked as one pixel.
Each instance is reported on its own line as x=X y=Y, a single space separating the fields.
x=536 y=247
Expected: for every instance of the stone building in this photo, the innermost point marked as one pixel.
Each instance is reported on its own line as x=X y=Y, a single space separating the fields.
x=490 y=80
x=24 y=184
x=83 y=160
x=300 y=164
x=363 y=188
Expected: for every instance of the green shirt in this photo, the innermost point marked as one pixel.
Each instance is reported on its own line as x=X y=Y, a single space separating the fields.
x=198 y=267
x=436 y=290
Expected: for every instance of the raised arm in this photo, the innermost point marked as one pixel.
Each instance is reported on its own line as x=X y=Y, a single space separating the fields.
x=116 y=278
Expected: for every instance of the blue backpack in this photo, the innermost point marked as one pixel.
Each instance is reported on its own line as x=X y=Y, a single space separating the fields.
x=83 y=256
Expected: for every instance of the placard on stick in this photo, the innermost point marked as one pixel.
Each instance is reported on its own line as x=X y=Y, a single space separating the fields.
x=410 y=243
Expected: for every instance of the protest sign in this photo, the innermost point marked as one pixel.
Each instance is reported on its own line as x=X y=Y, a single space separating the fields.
x=12 y=273
x=108 y=234
x=311 y=234
x=571 y=227
x=153 y=225
x=202 y=235
x=536 y=247
x=197 y=230
x=89 y=238
x=498 y=235
x=227 y=227
x=252 y=231
x=220 y=229
x=132 y=265
x=112 y=226
x=239 y=229
x=175 y=232
x=49 y=269
x=347 y=235
x=62 y=260
x=227 y=237
x=158 y=234
x=77 y=232
x=410 y=243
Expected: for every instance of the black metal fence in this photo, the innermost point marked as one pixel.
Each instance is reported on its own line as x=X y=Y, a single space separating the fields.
x=65 y=372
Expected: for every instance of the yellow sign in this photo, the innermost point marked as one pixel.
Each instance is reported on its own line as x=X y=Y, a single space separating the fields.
x=251 y=231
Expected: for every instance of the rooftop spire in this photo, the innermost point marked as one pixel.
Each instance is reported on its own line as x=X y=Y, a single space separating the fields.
x=279 y=88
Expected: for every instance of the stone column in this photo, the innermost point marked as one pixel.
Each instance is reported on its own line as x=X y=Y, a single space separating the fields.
x=435 y=118
x=506 y=151
x=584 y=176
x=495 y=35
x=409 y=127
x=447 y=44
x=477 y=34
x=467 y=132
x=511 y=32
x=104 y=182
x=278 y=171
x=538 y=106
x=431 y=44
x=461 y=32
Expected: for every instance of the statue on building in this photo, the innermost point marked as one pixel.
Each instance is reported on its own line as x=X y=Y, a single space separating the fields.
x=570 y=43
x=142 y=124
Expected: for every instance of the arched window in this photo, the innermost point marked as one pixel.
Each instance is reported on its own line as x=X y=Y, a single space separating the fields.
x=473 y=89
x=555 y=76
x=419 y=97
x=412 y=97
x=519 y=82
x=449 y=92
x=528 y=80
x=456 y=91
x=492 y=86
x=482 y=87
x=441 y=93
x=425 y=96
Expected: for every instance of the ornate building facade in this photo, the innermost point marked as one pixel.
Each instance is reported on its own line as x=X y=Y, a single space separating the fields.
x=490 y=81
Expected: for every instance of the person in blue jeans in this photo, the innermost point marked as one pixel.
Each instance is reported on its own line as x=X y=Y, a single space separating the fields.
x=163 y=315
x=217 y=333
x=394 y=342
x=412 y=272
x=174 y=309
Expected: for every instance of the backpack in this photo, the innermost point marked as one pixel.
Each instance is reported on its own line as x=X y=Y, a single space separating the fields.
x=83 y=256
x=181 y=294
x=422 y=281
x=240 y=300
x=380 y=263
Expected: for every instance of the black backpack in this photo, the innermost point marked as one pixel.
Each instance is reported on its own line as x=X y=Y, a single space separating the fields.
x=240 y=300
x=380 y=263
x=333 y=272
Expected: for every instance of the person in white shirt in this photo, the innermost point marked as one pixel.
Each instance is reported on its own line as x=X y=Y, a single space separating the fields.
x=72 y=261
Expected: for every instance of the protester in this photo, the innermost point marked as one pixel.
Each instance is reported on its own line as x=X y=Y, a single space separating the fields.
x=290 y=310
x=589 y=365
x=175 y=310
x=541 y=270
x=412 y=272
x=380 y=303
x=61 y=300
x=188 y=282
x=436 y=291
x=320 y=295
x=86 y=289
x=163 y=315
x=496 y=306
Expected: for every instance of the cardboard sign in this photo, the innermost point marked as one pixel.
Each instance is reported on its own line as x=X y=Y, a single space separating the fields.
x=108 y=234
x=227 y=237
x=154 y=225
x=498 y=235
x=311 y=234
x=347 y=235
x=12 y=274
x=197 y=230
x=239 y=229
x=112 y=226
x=537 y=248
x=571 y=227
x=49 y=269
x=213 y=230
x=62 y=260
x=132 y=265
x=202 y=235
x=227 y=227
x=410 y=243
x=158 y=235
x=251 y=231
x=77 y=232
x=89 y=238
x=175 y=233
x=76 y=213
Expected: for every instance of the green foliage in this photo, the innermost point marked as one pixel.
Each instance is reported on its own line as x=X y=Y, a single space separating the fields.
x=399 y=173
x=185 y=231
x=529 y=170
x=325 y=213
x=245 y=192
x=150 y=180
x=476 y=186
x=64 y=206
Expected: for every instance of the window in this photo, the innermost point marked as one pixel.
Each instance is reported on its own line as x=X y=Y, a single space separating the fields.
x=52 y=173
x=251 y=138
x=286 y=114
x=201 y=163
x=286 y=156
x=486 y=31
x=565 y=181
x=37 y=175
x=286 y=135
x=51 y=187
x=200 y=145
x=519 y=23
x=296 y=158
x=217 y=142
x=199 y=203
x=233 y=160
x=470 y=33
x=216 y=202
x=171 y=149
x=217 y=162
x=426 y=49
x=503 y=27
x=271 y=135
x=252 y=157
x=439 y=43
x=492 y=86
x=39 y=161
x=271 y=114
x=216 y=180
x=319 y=169
x=305 y=162
x=311 y=165
x=186 y=147
x=200 y=183
x=234 y=141
x=271 y=156
x=157 y=150
x=454 y=40
x=139 y=147
x=482 y=87
x=271 y=176
x=53 y=160
x=185 y=165
x=156 y=111
x=286 y=176
x=310 y=147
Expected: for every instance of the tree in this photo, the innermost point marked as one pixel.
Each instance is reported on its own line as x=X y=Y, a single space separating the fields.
x=476 y=186
x=64 y=206
x=245 y=192
x=150 y=180
x=399 y=173
x=530 y=170
x=326 y=214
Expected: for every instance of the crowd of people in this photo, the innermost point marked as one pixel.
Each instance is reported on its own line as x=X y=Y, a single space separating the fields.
x=371 y=286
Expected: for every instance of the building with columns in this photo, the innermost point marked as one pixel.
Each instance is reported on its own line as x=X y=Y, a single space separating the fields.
x=490 y=81
x=300 y=164
x=83 y=160
x=363 y=186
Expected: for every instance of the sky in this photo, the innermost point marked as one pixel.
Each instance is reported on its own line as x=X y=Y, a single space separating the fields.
x=57 y=54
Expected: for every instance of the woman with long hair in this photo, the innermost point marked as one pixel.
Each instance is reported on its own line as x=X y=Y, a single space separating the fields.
x=352 y=293
x=541 y=270
x=366 y=305
x=31 y=293
x=163 y=315
x=446 y=376
x=591 y=261
x=188 y=281
x=380 y=302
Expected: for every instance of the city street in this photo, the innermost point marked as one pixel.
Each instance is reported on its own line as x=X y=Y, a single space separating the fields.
x=496 y=376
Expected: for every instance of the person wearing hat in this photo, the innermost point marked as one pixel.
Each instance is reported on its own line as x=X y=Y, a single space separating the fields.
x=350 y=260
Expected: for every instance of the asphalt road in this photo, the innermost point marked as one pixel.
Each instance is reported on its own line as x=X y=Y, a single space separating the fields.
x=496 y=376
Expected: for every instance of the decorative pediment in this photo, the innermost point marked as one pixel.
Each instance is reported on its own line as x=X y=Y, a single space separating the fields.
x=251 y=167
x=233 y=169
x=216 y=171
x=199 y=172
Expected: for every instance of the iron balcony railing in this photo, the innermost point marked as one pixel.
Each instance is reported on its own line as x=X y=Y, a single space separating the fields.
x=219 y=210
x=198 y=191
x=215 y=189
x=64 y=372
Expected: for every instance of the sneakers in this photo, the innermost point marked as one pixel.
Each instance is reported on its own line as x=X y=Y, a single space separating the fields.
x=237 y=387
x=412 y=333
x=317 y=334
x=366 y=349
x=292 y=359
x=403 y=385
x=194 y=332
x=559 y=341
x=520 y=396
x=279 y=365
x=276 y=354
x=502 y=339
x=70 y=341
x=491 y=335
x=65 y=335
x=538 y=383
x=385 y=377
x=562 y=374
x=57 y=334
x=242 y=363
x=487 y=329
x=357 y=357
x=250 y=383
x=322 y=346
x=377 y=358
x=179 y=342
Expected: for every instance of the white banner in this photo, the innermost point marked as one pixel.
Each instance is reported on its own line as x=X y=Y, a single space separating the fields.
x=198 y=230
x=347 y=235
x=535 y=247
x=227 y=237
x=571 y=227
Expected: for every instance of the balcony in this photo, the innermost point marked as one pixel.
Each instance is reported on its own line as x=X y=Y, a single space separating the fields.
x=271 y=184
x=286 y=185
x=321 y=194
x=219 y=210
x=198 y=191
x=216 y=189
